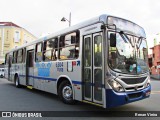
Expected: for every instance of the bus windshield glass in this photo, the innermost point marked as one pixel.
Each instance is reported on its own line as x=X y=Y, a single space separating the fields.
x=129 y=55
x=125 y=25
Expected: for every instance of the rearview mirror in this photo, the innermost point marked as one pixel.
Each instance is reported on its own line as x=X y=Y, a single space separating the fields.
x=112 y=40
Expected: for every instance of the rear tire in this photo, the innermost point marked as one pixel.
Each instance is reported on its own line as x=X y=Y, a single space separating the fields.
x=65 y=92
x=17 y=82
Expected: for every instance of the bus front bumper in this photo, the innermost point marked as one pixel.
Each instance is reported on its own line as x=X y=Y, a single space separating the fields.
x=114 y=99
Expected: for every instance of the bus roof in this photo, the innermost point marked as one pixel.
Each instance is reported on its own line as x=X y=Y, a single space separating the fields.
x=101 y=18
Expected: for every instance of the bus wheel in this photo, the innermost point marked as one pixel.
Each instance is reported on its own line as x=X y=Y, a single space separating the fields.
x=17 y=82
x=65 y=92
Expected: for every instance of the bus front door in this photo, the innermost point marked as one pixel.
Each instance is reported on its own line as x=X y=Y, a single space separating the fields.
x=30 y=68
x=93 y=68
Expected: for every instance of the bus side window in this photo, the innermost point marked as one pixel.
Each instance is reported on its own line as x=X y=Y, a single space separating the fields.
x=10 y=60
x=14 y=60
x=24 y=55
x=50 y=48
x=38 y=53
x=19 y=56
x=69 y=46
x=6 y=59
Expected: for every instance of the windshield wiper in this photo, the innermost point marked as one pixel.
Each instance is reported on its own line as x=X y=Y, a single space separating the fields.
x=125 y=38
x=138 y=43
x=121 y=34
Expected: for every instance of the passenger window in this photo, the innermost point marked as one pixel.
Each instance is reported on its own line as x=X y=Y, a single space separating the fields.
x=24 y=55
x=20 y=56
x=50 y=50
x=38 y=57
x=69 y=46
x=14 y=60
x=67 y=52
x=6 y=58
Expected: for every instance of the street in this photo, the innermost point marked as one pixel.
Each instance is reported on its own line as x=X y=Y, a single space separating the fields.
x=23 y=99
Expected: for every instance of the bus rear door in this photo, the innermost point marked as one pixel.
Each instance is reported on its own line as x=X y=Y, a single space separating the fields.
x=9 y=67
x=30 y=68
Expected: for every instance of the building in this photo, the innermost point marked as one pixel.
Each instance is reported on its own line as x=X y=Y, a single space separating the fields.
x=156 y=39
x=12 y=36
x=154 y=62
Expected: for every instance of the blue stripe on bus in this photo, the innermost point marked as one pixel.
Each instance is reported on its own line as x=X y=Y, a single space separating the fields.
x=53 y=79
x=44 y=78
x=77 y=82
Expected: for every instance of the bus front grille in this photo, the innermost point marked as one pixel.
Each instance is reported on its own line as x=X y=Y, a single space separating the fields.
x=133 y=88
x=133 y=80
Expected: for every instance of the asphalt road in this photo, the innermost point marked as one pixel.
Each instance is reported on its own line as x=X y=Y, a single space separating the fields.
x=23 y=99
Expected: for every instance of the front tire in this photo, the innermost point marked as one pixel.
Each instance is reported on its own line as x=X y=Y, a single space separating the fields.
x=65 y=92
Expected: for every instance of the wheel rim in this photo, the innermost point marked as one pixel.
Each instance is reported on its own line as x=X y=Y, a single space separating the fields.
x=67 y=92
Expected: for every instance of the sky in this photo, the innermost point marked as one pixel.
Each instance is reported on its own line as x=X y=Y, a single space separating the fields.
x=44 y=16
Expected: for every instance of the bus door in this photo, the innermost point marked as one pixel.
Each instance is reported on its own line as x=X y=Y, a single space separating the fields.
x=9 y=67
x=92 y=68
x=30 y=68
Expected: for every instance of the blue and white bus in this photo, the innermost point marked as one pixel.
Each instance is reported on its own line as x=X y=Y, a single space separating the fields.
x=102 y=61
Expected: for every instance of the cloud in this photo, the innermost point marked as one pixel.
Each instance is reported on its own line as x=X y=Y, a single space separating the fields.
x=42 y=16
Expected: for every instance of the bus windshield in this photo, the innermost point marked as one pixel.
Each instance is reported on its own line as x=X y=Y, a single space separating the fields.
x=129 y=55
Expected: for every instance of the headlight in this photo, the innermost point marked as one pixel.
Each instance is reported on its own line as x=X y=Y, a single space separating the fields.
x=148 y=83
x=116 y=86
